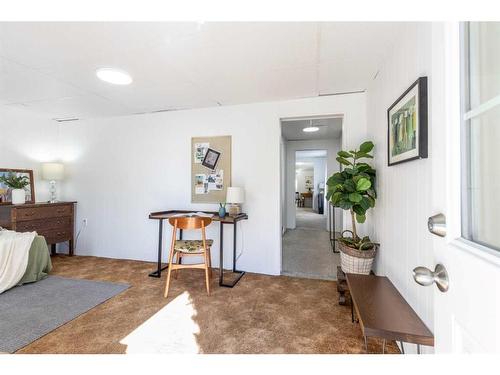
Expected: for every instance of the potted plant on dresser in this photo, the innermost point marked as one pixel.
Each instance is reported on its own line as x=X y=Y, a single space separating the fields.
x=17 y=185
x=353 y=189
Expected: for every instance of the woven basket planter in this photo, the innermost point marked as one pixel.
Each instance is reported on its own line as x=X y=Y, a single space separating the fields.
x=356 y=261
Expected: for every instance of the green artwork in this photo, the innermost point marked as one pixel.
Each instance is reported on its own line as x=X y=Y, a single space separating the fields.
x=404 y=128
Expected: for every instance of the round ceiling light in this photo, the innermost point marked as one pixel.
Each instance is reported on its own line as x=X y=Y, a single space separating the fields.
x=310 y=128
x=114 y=76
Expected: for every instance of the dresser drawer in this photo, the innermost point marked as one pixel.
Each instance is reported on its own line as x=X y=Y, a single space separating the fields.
x=56 y=235
x=44 y=224
x=34 y=213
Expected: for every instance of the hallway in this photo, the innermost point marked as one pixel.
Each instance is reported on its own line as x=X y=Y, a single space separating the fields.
x=306 y=249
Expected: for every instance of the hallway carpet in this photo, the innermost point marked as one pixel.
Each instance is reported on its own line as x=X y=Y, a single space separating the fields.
x=308 y=253
x=307 y=218
x=262 y=314
x=307 y=250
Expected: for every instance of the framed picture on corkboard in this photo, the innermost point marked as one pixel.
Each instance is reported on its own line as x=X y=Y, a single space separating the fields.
x=210 y=169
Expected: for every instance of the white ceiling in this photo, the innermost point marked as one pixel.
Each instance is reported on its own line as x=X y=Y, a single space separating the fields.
x=50 y=67
x=329 y=128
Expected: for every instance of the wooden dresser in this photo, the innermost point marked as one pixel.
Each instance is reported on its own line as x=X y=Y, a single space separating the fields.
x=54 y=221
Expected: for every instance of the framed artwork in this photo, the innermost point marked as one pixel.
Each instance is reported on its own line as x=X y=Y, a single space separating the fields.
x=211 y=158
x=407 y=125
x=309 y=181
x=210 y=169
x=5 y=191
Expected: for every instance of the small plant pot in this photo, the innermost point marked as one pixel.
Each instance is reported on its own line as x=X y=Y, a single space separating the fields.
x=18 y=196
x=222 y=211
x=356 y=261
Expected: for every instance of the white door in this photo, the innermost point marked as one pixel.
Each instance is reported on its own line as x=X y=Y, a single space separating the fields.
x=466 y=182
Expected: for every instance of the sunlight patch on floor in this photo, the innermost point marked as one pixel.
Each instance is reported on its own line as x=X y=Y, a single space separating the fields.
x=170 y=330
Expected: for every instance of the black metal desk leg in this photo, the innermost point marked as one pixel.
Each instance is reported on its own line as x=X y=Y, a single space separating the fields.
x=221 y=256
x=235 y=270
x=234 y=246
x=157 y=273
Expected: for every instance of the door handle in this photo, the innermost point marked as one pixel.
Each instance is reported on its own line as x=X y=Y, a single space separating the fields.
x=424 y=276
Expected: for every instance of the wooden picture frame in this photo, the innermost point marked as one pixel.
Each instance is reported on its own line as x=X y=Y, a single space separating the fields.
x=30 y=192
x=407 y=124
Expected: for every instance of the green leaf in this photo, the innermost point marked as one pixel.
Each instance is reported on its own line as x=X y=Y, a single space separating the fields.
x=350 y=186
x=371 y=201
x=344 y=154
x=345 y=204
x=360 y=155
x=351 y=171
x=355 y=197
x=335 y=179
x=336 y=197
x=358 y=209
x=365 y=203
x=343 y=161
x=360 y=218
x=366 y=146
x=363 y=184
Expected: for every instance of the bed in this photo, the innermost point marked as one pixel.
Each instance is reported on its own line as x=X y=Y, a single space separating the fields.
x=24 y=258
x=39 y=264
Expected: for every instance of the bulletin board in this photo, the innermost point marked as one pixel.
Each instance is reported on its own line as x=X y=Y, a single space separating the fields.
x=210 y=169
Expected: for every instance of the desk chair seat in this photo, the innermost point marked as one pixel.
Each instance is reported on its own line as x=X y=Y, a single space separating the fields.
x=182 y=248
x=191 y=246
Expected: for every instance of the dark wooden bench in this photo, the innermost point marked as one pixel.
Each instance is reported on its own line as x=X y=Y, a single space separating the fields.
x=384 y=313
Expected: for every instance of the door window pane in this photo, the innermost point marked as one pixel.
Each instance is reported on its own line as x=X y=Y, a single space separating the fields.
x=482 y=133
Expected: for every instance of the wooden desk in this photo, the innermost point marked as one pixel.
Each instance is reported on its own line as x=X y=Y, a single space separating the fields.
x=383 y=312
x=307 y=199
x=54 y=221
x=162 y=215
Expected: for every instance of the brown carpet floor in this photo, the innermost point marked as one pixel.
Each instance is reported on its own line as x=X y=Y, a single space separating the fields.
x=262 y=314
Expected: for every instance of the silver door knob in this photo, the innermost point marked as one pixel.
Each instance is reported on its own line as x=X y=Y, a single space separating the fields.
x=425 y=277
x=437 y=225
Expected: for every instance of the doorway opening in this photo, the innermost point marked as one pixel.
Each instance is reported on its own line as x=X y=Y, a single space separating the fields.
x=310 y=182
x=308 y=158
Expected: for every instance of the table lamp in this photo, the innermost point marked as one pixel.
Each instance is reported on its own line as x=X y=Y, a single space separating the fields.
x=53 y=172
x=235 y=197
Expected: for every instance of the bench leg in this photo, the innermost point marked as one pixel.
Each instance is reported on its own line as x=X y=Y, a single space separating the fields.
x=402 y=347
x=366 y=345
x=352 y=312
x=383 y=347
x=418 y=348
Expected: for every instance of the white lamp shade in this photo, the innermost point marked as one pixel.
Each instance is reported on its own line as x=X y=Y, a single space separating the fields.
x=52 y=171
x=235 y=195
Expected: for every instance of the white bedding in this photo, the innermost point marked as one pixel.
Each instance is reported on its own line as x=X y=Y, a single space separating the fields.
x=14 y=255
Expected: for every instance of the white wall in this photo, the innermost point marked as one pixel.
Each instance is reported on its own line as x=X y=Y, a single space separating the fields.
x=26 y=140
x=332 y=146
x=282 y=185
x=404 y=191
x=122 y=168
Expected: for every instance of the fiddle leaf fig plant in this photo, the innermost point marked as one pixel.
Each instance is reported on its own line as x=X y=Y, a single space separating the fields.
x=353 y=189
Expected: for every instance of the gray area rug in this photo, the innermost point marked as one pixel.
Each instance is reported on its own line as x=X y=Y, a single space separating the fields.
x=30 y=311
